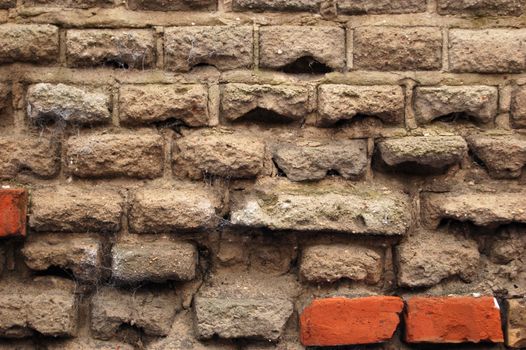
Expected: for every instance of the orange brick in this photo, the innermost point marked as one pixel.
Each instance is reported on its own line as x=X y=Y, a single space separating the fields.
x=343 y=321
x=453 y=320
x=13 y=210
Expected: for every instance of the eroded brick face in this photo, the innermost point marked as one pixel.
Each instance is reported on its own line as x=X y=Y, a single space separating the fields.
x=262 y=174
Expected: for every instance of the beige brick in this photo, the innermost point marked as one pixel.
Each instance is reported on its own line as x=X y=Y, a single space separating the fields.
x=487 y=51
x=518 y=107
x=397 y=48
x=128 y=154
x=152 y=103
x=224 y=47
x=277 y=5
x=28 y=43
x=28 y=154
x=344 y=102
x=330 y=263
x=358 y=7
x=516 y=324
x=82 y=4
x=477 y=102
x=481 y=7
x=76 y=209
x=173 y=5
x=117 y=48
x=280 y=46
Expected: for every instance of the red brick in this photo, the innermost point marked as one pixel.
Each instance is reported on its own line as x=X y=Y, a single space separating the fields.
x=343 y=321
x=453 y=320
x=13 y=210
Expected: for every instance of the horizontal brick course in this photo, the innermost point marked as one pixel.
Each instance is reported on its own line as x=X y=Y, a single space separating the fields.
x=173 y=5
x=481 y=7
x=276 y=5
x=82 y=4
x=357 y=7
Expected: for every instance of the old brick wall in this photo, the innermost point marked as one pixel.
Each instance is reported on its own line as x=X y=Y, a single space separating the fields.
x=262 y=174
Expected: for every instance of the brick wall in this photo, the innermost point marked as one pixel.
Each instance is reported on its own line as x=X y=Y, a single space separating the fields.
x=262 y=174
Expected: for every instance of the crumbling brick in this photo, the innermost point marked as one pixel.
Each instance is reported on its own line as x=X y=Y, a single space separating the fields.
x=360 y=7
x=481 y=7
x=28 y=43
x=28 y=154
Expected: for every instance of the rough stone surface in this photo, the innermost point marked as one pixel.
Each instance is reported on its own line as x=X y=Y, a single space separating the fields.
x=66 y=103
x=6 y=4
x=224 y=47
x=422 y=153
x=13 y=211
x=344 y=102
x=487 y=51
x=130 y=48
x=276 y=5
x=428 y=257
x=313 y=159
x=516 y=324
x=330 y=206
x=219 y=152
x=153 y=103
x=280 y=46
x=289 y=101
x=481 y=7
x=152 y=311
x=180 y=207
x=453 y=320
x=395 y=48
x=82 y=4
x=329 y=263
x=127 y=154
x=518 y=107
x=503 y=156
x=28 y=154
x=483 y=209
x=74 y=209
x=359 y=7
x=46 y=305
x=82 y=254
x=86 y=344
x=144 y=258
x=343 y=321
x=172 y=5
x=28 y=43
x=477 y=102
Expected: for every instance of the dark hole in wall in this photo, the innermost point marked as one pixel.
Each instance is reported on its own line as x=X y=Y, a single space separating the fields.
x=170 y=123
x=457 y=118
x=57 y=272
x=264 y=116
x=358 y=121
x=116 y=64
x=306 y=65
x=280 y=171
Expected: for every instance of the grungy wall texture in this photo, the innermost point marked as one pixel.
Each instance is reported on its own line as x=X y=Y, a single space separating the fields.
x=262 y=174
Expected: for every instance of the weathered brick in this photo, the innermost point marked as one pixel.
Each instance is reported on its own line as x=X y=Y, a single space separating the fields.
x=276 y=5
x=224 y=47
x=344 y=102
x=397 y=48
x=422 y=154
x=428 y=257
x=289 y=101
x=343 y=321
x=13 y=211
x=83 y=4
x=75 y=209
x=85 y=343
x=27 y=154
x=358 y=7
x=153 y=103
x=477 y=102
x=79 y=253
x=156 y=259
x=45 y=305
x=7 y=4
x=504 y=156
x=314 y=159
x=67 y=103
x=280 y=46
x=28 y=43
x=279 y=204
x=330 y=263
x=128 y=154
x=518 y=107
x=219 y=152
x=516 y=323
x=481 y=208
x=481 y=7
x=118 y=48
x=242 y=306
x=453 y=320
x=487 y=51
x=173 y=5
x=180 y=207
x=152 y=311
